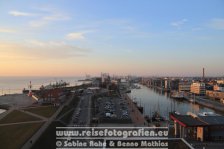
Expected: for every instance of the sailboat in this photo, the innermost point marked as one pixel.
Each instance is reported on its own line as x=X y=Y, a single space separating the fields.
x=156 y=117
x=148 y=117
x=177 y=95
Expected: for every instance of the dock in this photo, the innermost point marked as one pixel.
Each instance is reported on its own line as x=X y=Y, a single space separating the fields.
x=207 y=103
x=137 y=117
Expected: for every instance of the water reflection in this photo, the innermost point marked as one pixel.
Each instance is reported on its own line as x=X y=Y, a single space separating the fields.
x=157 y=100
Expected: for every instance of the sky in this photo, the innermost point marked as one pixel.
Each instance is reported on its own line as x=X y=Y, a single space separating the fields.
x=120 y=37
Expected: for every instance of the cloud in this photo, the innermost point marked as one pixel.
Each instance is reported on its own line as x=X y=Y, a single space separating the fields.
x=217 y=23
x=44 y=20
x=47 y=50
x=75 y=36
x=178 y=24
x=42 y=16
x=56 y=17
x=47 y=16
x=6 y=30
x=19 y=13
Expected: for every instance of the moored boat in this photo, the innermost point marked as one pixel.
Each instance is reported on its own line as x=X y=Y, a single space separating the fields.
x=157 y=117
x=177 y=95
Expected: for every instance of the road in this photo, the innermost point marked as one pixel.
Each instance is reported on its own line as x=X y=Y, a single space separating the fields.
x=82 y=114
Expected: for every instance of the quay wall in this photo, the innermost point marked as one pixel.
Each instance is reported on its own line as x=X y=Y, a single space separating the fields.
x=209 y=104
x=136 y=116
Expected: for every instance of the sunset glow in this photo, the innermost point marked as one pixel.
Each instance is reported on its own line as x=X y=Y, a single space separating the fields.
x=74 y=38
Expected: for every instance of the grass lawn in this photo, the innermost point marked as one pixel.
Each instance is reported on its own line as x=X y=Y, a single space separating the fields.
x=14 y=136
x=17 y=116
x=48 y=138
x=46 y=111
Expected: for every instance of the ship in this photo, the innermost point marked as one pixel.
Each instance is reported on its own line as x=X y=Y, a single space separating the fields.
x=128 y=91
x=177 y=95
x=138 y=87
x=147 y=118
x=135 y=86
x=208 y=114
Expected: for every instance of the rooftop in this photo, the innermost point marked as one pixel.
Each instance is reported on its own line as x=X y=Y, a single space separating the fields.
x=187 y=120
x=190 y=121
x=212 y=120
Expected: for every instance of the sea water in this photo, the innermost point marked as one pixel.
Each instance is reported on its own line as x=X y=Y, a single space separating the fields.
x=11 y=85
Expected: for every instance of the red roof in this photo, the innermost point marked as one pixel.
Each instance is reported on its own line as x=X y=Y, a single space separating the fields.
x=187 y=120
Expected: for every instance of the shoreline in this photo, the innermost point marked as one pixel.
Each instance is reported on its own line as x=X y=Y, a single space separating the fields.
x=137 y=117
x=208 y=103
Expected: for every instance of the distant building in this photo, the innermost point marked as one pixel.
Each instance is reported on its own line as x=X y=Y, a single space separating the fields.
x=105 y=80
x=198 y=88
x=167 y=84
x=96 y=82
x=114 y=81
x=184 y=86
x=174 y=84
x=215 y=95
x=105 y=77
x=124 y=83
x=220 y=81
x=51 y=95
x=218 y=87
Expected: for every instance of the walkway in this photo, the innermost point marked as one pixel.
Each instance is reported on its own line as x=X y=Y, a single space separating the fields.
x=35 y=115
x=136 y=116
x=22 y=123
x=36 y=136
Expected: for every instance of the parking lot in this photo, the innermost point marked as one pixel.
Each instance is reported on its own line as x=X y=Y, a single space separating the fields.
x=111 y=108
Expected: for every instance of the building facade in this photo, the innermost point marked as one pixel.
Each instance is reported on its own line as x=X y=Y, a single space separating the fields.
x=198 y=88
x=218 y=87
x=220 y=81
x=215 y=95
x=203 y=128
x=184 y=86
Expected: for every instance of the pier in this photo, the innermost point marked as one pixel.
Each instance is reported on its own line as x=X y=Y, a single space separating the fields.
x=206 y=102
x=137 y=117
